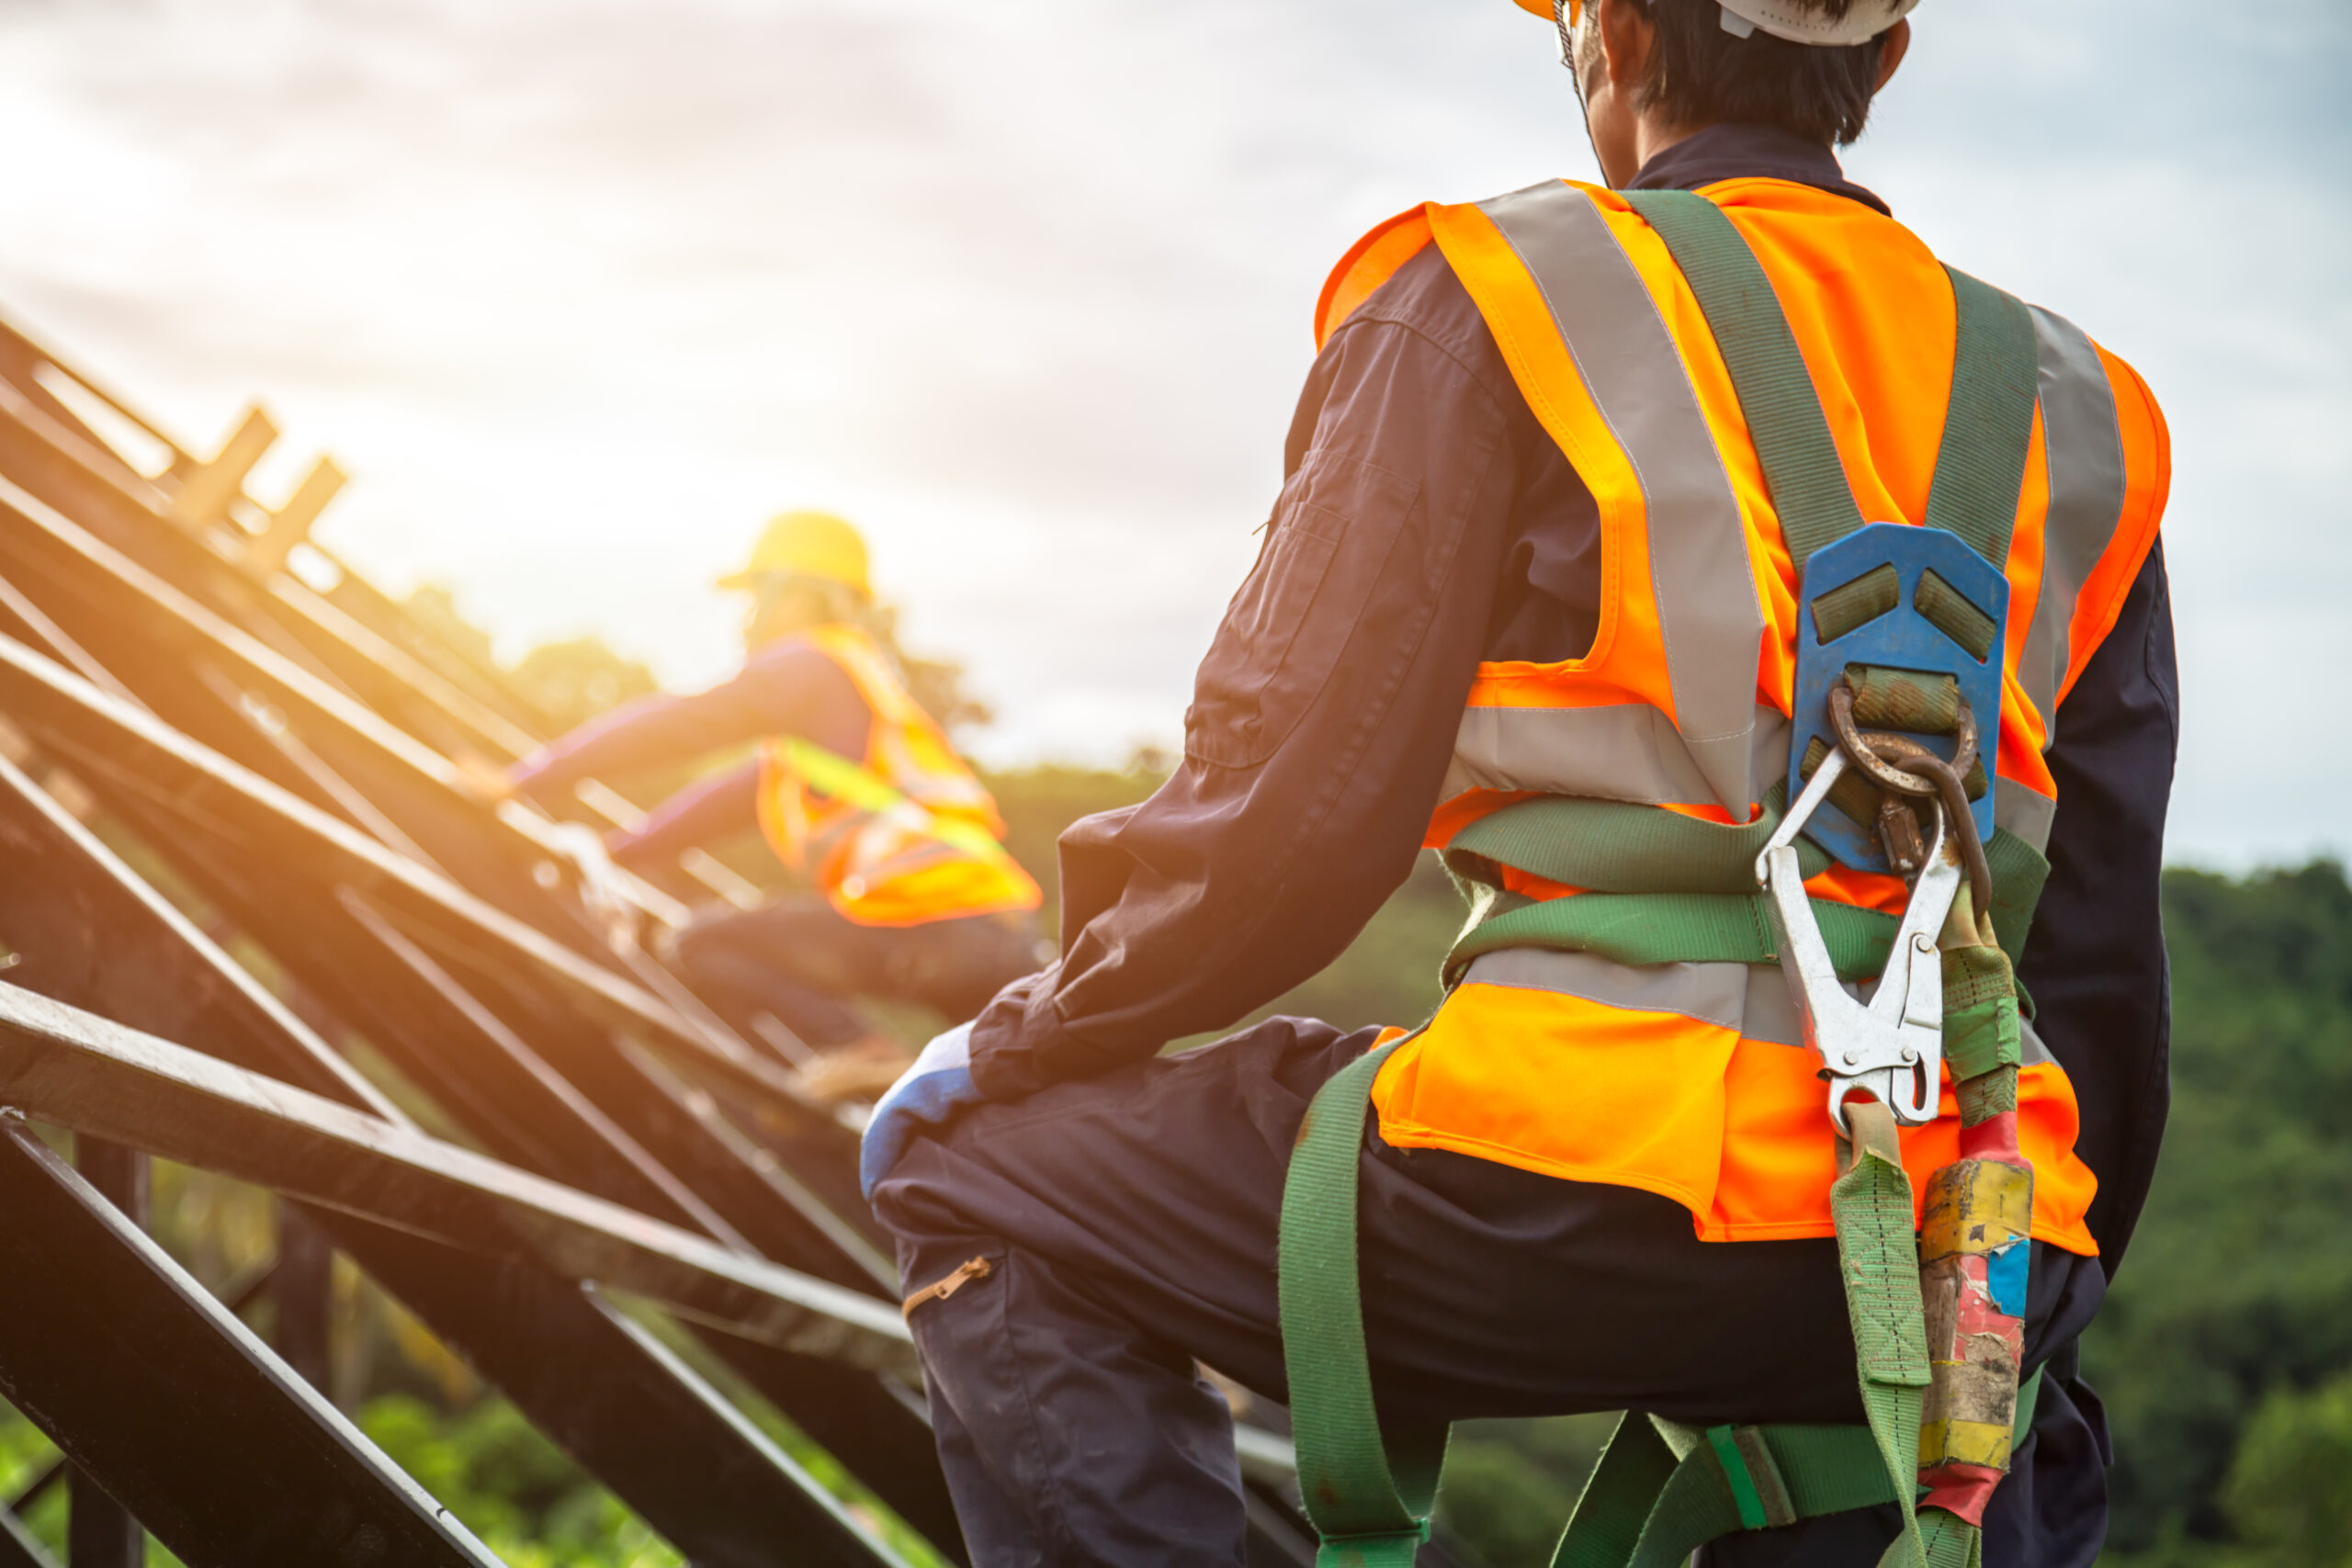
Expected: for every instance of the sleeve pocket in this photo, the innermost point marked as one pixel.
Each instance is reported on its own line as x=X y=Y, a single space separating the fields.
x=1283 y=634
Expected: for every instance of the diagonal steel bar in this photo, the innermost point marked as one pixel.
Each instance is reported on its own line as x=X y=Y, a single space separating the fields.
x=70 y=1067
x=81 y=721
x=86 y=931
x=140 y=1394
x=19 y=1548
x=667 y=1443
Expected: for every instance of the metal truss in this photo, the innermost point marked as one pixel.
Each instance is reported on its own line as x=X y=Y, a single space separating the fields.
x=217 y=739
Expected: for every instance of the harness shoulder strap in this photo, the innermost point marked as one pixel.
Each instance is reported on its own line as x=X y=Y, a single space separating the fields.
x=1768 y=371
x=1988 y=425
x=1980 y=466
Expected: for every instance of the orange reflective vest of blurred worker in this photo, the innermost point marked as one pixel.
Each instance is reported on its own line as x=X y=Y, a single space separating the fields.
x=902 y=835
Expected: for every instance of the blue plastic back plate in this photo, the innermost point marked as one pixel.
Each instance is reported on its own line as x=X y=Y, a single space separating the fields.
x=1901 y=638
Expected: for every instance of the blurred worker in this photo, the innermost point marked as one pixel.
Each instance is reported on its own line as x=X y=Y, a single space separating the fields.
x=914 y=897
x=1535 y=554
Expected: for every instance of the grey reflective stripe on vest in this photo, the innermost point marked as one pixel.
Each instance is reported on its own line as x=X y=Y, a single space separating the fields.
x=1709 y=615
x=1624 y=751
x=2084 y=447
x=1752 y=998
x=2026 y=814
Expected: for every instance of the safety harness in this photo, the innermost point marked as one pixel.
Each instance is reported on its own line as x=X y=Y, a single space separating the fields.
x=1899 y=653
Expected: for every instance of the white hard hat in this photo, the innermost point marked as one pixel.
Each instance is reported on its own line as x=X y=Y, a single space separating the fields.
x=1801 y=23
x=1791 y=19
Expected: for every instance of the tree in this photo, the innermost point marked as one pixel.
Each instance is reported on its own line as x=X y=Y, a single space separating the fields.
x=573 y=681
x=2290 y=1488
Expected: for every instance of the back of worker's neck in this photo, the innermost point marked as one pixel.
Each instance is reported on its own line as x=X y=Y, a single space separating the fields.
x=1652 y=137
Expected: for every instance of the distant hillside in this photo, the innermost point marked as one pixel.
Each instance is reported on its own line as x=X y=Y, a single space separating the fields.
x=2225 y=1349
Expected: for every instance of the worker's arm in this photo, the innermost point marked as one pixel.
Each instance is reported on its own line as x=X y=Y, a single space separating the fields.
x=723 y=806
x=2094 y=963
x=1324 y=716
x=789 y=688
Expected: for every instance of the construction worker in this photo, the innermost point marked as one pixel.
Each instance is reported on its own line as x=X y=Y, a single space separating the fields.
x=1535 y=553
x=913 y=898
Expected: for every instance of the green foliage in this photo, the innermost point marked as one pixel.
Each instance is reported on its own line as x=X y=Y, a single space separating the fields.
x=940 y=686
x=1389 y=976
x=2290 y=1489
x=1510 y=1486
x=1038 y=803
x=434 y=607
x=510 y=1487
x=2238 y=1280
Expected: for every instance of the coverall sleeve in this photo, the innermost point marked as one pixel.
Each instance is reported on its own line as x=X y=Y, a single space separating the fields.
x=1321 y=726
x=790 y=689
x=2095 y=962
x=719 y=806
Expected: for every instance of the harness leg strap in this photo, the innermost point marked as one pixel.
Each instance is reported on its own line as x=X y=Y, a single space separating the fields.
x=1368 y=1492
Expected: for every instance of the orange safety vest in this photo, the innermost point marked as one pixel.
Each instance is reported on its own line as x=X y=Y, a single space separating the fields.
x=901 y=836
x=1689 y=1079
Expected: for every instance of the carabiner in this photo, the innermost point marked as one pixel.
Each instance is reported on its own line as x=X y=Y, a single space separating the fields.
x=1891 y=1047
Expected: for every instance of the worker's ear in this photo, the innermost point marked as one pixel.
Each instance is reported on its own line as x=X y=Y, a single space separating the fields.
x=1891 y=53
x=1627 y=37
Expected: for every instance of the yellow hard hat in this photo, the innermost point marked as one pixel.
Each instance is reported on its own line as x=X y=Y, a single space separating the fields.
x=804 y=543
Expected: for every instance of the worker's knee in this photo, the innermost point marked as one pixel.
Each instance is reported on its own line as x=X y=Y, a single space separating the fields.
x=1108 y=1443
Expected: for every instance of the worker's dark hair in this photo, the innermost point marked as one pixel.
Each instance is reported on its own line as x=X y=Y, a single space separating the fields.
x=1701 y=74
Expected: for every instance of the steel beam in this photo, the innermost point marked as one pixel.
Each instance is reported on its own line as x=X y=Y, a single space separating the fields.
x=156 y=970
x=99 y=1531
x=886 y=1442
x=142 y=1394
x=671 y=1447
x=88 y=931
x=106 y=737
x=59 y=886
x=273 y=678
x=301 y=1296
x=94 y=1077
x=19 y=1548
x=618 y=1132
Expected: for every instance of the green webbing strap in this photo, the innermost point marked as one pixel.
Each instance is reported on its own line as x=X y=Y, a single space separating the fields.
x=1604 y=844
x=1980 y=466
x=1613 y=846
x=2018 y=873
x=1674 y=928
x=1370 y=1499
x=1877 y=1255
x=1662 y=1491
x=1776 y=392
x=1996 y=380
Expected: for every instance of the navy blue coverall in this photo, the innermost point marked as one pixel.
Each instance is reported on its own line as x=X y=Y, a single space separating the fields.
x=1128 y=1201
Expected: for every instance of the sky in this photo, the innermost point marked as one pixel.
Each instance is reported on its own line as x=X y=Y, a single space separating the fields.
x=580 y=291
